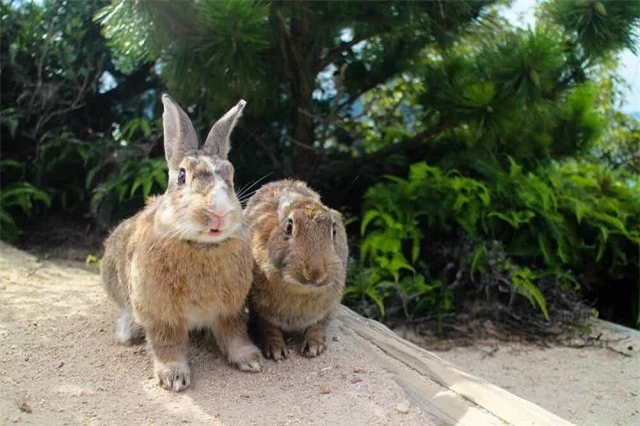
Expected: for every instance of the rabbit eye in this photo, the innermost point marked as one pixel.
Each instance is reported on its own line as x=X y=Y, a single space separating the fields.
x=182 y=176
x=289 y=229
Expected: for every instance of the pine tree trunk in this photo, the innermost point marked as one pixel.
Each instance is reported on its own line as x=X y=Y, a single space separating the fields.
x=301 y=132
x=297 y=55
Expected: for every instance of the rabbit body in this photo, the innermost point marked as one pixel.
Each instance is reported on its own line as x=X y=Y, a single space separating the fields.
x=175 y=280
x=185 y=261
x=300 y=252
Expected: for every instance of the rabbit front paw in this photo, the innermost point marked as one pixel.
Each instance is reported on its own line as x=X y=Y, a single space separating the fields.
x=275 y=349
x=313 y=346
x=175 y=376
x=246 y=358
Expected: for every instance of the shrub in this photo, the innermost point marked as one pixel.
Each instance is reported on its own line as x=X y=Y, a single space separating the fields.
x=572 y=223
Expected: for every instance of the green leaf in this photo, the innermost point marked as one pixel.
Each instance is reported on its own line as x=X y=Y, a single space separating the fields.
x=514 y=218
x=373 y=295
x=602 y=242
x=523 y=280
x=138 y=181
x=543 y=243
x=90 y=176
x=580 y=210
x=6 y=218
x=146 y=187
x=415 y=249
x=476 y=262
x=368 y=217
x=122 y=192
x=11 y=164
x=514 y=169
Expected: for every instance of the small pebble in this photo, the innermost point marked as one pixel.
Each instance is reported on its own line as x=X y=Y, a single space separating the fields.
x=355 y=380
x=325 y=389
x=403 y=407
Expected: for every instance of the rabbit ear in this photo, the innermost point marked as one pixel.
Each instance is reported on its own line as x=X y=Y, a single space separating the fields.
x=180 y=137
x=336 y=215
x=217 y=142
x=286 y=198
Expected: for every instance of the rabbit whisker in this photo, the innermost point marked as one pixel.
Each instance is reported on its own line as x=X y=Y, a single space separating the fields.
x=242 y=191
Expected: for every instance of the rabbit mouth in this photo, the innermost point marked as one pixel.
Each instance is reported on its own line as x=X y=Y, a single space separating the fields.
x=214 y=232
x=311 y=283
x=294 y=280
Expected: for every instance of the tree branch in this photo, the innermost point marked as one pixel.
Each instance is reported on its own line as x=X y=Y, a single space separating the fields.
x=130 y=85
x=339 y=167
x=337 y=52
x=284 y=41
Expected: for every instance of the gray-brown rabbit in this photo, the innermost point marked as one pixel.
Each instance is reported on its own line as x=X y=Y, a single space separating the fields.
x=184 y=261
x=300 y=252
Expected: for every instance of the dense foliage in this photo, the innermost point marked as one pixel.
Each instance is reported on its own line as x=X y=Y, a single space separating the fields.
x=71 y=142
x=475 y=161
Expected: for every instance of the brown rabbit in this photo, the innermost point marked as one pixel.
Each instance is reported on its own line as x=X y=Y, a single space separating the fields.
x=184 y=261
x=300 y=252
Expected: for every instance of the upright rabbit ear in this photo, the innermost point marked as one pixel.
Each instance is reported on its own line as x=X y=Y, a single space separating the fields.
x=180 y=137
x=217 y=142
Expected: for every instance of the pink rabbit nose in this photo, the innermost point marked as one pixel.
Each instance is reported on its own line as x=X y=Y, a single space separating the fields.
x=216 y=220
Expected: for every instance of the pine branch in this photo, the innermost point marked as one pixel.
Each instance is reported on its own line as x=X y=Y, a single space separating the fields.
x=182 y=27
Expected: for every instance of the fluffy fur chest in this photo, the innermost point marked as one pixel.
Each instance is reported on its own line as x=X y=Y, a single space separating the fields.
x=290 y=306
x=192 y=283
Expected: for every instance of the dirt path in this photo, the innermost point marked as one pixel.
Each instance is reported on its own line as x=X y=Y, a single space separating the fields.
x=60 y=364
x=587 y=386
x=588 y=382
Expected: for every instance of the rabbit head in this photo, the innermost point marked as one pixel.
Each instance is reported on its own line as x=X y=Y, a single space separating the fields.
x=309 y=244
x=200 y=203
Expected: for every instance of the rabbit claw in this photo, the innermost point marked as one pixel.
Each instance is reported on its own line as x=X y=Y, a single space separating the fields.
x=247 y=358
x=312 y=347
x=276 y=350
x=175 y=376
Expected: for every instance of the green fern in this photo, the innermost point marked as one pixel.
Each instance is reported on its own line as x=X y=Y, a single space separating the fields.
x=21 y=197
x=524 y=281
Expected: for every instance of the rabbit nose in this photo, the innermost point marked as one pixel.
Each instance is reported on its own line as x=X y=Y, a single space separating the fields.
x=314 y=275
x=219 y=213
x=216 y=219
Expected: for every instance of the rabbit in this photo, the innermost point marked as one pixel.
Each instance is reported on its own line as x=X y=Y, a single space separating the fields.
x=184 y=262
x=300 y=257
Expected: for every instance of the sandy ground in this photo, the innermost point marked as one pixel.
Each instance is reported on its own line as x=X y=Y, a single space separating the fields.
x=594 y=385
x=60 y=364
